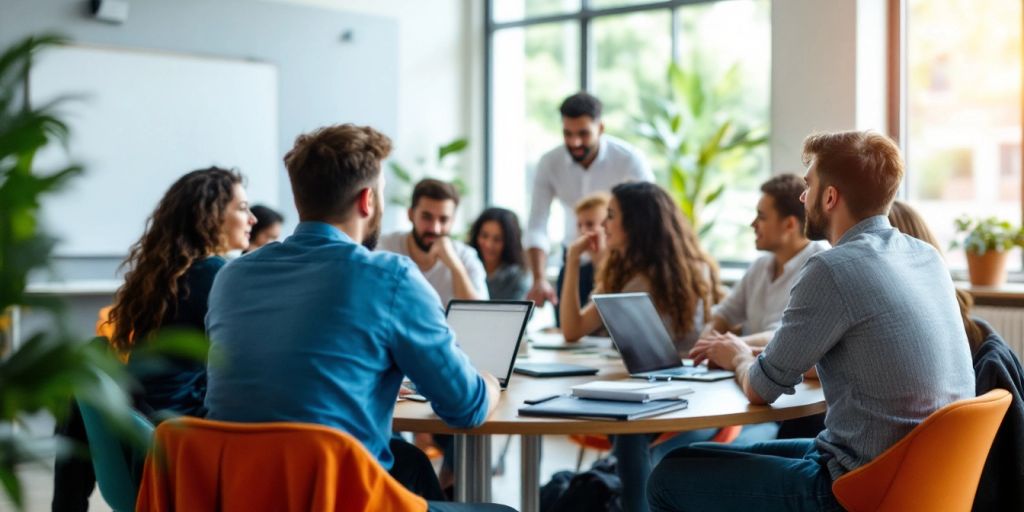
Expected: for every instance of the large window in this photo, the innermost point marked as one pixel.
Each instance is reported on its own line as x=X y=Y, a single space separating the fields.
x=963 y=125
x=544 y=50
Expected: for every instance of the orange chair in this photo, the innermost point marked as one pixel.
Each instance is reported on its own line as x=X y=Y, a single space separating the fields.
x=935 y=467
x=601 y=442
x=202 y=465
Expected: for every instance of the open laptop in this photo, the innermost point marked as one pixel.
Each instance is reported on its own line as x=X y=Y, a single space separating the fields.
x=646 y=347
x=489 y=332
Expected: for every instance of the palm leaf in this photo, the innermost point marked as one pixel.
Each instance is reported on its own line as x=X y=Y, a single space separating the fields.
x=452 y=147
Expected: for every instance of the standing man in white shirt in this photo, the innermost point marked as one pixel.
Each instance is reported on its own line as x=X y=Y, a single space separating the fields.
x=757 y=301
x=590 y=162
x=451 y=267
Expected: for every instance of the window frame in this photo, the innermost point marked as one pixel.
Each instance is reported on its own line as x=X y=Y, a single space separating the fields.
x=583 y=16
x=898 y=101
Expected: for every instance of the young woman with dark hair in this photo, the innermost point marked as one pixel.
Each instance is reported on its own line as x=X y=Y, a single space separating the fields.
x=267 y=228
x=651 y=248
x=171 y=268
x=497 y=238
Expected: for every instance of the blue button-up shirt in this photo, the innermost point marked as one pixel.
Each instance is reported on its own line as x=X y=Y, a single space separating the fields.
x=318 y=329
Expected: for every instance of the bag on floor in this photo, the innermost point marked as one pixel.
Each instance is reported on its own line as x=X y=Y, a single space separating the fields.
x=597 y=489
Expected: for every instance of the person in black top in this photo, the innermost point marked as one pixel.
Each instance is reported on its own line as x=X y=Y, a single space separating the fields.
x=171 y=269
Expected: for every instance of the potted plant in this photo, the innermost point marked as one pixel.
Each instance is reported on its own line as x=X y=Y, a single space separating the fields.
x=986 y=242
x=704 y=138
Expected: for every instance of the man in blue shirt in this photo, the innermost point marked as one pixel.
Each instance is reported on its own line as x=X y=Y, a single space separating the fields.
x=877 y=316
x=319 y=329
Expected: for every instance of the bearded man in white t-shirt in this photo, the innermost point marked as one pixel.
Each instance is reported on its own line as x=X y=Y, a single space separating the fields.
x=451 y=267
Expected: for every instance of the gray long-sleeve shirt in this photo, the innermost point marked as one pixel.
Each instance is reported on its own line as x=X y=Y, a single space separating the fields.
x=878 y=316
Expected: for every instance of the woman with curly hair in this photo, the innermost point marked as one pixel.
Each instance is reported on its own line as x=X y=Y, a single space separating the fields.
x=650 y=248
x=171 y=269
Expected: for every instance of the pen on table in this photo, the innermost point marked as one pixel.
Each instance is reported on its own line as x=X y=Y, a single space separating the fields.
x=534 y=401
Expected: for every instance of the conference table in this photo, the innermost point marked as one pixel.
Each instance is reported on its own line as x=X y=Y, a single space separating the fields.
x=711 y=405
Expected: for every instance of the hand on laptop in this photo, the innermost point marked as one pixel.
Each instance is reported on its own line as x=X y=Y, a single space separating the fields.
x=725 y=351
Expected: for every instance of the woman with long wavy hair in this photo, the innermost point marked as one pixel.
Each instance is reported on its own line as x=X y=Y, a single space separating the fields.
x=651 y=248
x=171 y=269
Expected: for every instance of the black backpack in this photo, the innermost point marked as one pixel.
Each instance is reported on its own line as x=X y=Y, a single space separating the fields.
x=596 y=489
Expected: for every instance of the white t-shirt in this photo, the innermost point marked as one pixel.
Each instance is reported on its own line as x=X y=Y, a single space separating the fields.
x=756 y=301
x=560 y=177
x=440 y=276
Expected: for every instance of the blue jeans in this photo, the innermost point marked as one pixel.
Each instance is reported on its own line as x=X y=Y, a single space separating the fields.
x=635 y=457
x=768 y=476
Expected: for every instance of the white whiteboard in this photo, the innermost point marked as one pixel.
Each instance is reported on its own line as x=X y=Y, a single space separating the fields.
x=147 y=119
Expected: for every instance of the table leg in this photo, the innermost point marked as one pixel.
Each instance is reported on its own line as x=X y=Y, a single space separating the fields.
x=529 y=464
x=472 y=468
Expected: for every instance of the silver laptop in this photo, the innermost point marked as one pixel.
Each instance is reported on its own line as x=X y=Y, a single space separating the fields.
x=646 y=347
x=489 y=332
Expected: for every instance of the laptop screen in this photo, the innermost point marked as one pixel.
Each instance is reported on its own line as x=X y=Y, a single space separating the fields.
x=489 y=333
x=637 y=331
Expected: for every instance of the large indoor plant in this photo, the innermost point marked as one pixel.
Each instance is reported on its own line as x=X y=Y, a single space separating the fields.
x=50 y=366
x=987 y=242
x=701 y=135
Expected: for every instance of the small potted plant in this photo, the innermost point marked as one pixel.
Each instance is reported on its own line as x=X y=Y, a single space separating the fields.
x=987 y=243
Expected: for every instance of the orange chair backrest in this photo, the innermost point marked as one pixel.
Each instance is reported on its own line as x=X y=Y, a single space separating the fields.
x=935 y=467
x=202 y=465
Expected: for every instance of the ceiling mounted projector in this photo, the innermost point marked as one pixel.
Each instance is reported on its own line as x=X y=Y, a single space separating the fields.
x=111 y=11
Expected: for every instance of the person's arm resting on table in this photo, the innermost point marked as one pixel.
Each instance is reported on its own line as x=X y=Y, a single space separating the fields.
x=813 y=322
x=424 y=349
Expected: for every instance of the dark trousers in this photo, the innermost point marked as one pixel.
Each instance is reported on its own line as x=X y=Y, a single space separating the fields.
x=73 y=476
x=412 y=469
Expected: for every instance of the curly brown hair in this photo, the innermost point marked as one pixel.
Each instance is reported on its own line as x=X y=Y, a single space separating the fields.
x=187 y=225
x=662 y=247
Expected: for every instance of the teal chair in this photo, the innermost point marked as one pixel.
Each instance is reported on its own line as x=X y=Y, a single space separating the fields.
x=116 y=463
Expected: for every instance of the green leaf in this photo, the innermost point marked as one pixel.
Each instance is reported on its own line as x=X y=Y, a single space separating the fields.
x=713 y=196
x=400 y=172
x=452 y=147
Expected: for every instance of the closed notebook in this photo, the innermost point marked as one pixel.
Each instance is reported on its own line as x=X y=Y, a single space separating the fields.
x=569 y=407
x=631 y=391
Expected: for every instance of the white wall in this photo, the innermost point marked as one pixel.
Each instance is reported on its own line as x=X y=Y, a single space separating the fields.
x=440 y=62
x=828 y=72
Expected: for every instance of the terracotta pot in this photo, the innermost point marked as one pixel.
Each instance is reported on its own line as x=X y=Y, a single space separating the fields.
x=987 y=269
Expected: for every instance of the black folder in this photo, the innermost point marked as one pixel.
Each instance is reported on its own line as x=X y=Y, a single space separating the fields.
x=570 y=407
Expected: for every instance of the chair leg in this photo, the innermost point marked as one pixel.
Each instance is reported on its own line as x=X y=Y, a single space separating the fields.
x=499 y=467
x=579 y=458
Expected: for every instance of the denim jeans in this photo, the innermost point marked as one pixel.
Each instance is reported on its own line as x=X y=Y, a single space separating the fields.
x=635 y=457
x=768 y=476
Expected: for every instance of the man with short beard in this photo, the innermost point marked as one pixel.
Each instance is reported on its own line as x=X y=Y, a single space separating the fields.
x=877 y=316
x=319 y=329
x=590 y=161
x=451 y=267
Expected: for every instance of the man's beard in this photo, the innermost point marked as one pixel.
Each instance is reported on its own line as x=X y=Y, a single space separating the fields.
x=373 y=235
x=816 y=226
x=421 y=242
x=587 y=150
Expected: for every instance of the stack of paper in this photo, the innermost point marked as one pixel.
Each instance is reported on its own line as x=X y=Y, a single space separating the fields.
x=631 y=391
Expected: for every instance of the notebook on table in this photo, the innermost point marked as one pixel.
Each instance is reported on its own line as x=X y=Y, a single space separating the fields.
x=569 y=407
x=645 y=345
